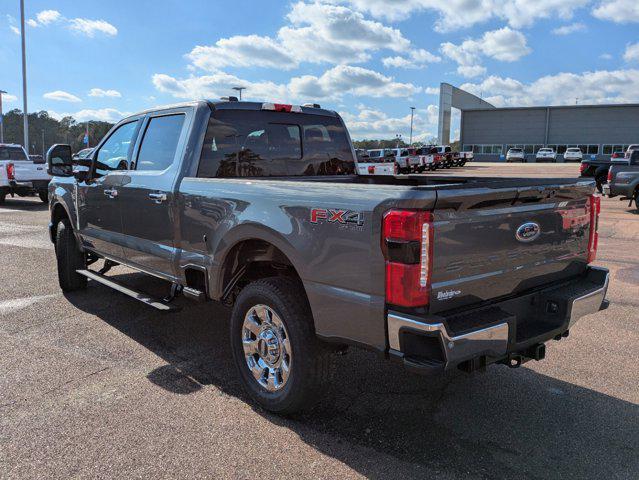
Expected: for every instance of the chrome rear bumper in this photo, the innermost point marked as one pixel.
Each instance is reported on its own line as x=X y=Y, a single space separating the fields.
x=495 y=341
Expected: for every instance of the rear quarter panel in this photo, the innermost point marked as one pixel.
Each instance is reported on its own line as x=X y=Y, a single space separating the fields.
x=340 y=264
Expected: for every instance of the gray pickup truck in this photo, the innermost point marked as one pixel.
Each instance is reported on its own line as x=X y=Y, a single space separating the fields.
x=623 y=180
x=257 y=205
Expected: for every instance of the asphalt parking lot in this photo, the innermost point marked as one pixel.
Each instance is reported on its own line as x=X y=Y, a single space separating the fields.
x=94 y=384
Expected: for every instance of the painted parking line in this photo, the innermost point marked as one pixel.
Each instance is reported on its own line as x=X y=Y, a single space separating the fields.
x=15 y=304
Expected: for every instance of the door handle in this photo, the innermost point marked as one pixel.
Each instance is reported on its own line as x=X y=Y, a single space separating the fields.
x=111 y=192
x=157 y=197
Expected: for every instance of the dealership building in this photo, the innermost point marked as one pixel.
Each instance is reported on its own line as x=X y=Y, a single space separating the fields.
x=598 y=130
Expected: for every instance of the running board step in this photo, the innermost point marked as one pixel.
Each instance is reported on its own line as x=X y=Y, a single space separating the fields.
x=142 y=297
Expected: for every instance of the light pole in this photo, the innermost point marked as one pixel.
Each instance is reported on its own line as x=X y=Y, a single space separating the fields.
x=1 y=119
x=412 y=111
x=239 y=89
x=24 y=78
x=398 y=137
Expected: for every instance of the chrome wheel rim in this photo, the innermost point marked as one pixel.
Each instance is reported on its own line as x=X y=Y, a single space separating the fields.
x=267 y=349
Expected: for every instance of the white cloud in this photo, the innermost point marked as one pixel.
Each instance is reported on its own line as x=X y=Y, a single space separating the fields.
x=91 y=27
x=568 y=29
x=62 y=96
x=605 y=56
x=84 y=26
x=345 y=79
x=8 y=98
x=333 y=84
x=505 y=45
x=375 y=124
x=110 y=115
x=416 y=59
x=242 y=51
x=317 y=33
x=14 y=29
x=431 y=90
x=599 y=87
x=618 y=11
x=98 y=92
x=518 y=13
x=470 y=71
x=632 y=53
x=45 y=17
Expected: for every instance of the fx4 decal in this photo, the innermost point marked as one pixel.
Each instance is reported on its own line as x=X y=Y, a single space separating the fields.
x=343 y=217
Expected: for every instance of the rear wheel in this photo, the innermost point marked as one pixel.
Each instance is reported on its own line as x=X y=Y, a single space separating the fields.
x=69 y=258
x=44 y=196
x=282 y=364
x=3 y=195
x=600 y=180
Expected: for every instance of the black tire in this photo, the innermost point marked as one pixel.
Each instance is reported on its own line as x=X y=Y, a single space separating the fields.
x=69 y=258
x=637 y=200
x=3 y=195
x=311 y=361
x=600 y=180
x=44 y=196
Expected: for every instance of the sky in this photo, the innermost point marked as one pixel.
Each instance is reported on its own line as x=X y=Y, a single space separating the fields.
x=370 y=60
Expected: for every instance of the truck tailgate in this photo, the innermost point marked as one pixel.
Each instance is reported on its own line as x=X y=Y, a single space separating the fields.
x=495 y=242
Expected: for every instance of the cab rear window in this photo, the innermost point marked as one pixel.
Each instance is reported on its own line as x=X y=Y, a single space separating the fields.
x=12 y=153
x=265 y=144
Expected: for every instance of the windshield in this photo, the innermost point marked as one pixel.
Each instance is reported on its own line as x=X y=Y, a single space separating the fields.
x=545 y=150
x=573 y=150
x=12 y=153
x=516 y=150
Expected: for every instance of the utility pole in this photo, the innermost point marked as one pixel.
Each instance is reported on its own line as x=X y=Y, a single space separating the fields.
x=43 y=152
x=412 y=111
x=86 y=135
x=24 y=79
x=1 y=119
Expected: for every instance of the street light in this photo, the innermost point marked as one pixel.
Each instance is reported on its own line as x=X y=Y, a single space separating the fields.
x=398 y=137
x=24 y=79
x=412 y=111
x=239 y=89
x=1 y=119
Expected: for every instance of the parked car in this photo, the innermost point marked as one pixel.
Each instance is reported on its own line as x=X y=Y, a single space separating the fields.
x=619 y=155
x=264 y=212
x=21 y=176
x=429 y=158
x=573 y=155
x=546 y=155
x=598 y=169
x=516 y=155
x=628 y=152
x=37 y=159
x=461 y=158
x=446 y=152
x=382 y=166
x=84 y=153
x=623 y=180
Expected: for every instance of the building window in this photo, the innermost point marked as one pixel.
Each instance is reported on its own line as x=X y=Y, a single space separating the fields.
x=593 y=149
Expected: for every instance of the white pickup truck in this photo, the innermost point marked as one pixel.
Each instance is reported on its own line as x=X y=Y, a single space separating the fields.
x=21 y=176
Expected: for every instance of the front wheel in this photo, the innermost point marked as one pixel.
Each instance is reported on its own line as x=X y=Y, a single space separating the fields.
x=69 y=258
x=282 y=364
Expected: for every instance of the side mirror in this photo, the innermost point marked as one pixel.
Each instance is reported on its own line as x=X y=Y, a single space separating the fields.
x=634 y=157
x=59 y=163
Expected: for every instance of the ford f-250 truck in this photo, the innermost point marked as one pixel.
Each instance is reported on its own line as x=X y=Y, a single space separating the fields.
x=20 y=175
x=623 y=180
x=259 y=206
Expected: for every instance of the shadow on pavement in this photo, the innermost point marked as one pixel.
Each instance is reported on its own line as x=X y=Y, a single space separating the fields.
x=500 y=424
x=19 y=203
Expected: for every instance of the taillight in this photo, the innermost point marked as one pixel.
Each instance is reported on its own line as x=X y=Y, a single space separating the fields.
x=593 y=240
x=11 y=171
x=582 y=167
x=371 y=170
x=407 y=242
x=609 y=179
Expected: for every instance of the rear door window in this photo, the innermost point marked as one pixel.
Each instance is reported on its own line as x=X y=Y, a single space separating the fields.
x=160 y=142
x=263 y=144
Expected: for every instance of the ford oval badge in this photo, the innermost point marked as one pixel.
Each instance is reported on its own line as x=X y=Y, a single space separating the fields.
x=528 y=232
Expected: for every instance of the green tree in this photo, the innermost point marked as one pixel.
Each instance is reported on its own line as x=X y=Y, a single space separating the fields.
x=45 y=130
